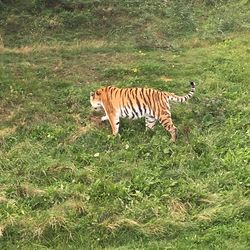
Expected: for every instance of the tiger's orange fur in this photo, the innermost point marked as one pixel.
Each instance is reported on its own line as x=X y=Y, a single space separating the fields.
x=135 y=103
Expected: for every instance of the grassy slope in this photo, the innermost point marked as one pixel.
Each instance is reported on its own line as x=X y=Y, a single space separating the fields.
x=66 y=182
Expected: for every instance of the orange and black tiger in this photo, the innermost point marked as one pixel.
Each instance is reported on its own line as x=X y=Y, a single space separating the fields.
x=135 y=103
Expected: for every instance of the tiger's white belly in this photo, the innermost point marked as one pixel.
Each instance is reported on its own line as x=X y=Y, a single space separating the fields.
x=134 y=113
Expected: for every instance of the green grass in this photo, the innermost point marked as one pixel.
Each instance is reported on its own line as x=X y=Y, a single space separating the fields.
x=67 y=183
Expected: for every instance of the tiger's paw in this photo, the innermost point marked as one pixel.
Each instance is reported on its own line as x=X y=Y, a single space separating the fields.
x=173 y=139
x=104 y=118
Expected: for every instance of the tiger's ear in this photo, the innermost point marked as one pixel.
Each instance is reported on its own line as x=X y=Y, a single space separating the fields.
x=98 y=92
x=92 y=93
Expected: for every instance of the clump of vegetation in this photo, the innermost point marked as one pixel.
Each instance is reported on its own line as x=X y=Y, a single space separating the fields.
x=65 y=181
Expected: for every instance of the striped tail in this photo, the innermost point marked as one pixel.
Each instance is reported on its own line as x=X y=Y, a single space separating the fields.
x=176 y=98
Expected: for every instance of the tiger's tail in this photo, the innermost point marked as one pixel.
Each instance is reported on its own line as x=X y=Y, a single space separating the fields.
x=176 y=98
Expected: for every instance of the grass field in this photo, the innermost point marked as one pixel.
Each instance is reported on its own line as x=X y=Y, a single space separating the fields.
x=67 y=183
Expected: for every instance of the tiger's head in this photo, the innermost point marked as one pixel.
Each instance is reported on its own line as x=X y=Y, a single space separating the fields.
x=95 y=100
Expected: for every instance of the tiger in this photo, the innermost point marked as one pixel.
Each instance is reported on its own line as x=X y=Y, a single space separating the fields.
x=135 y=103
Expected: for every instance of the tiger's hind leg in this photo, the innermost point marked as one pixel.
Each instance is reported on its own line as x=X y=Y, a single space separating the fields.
x=150 y=122
x=167 y=123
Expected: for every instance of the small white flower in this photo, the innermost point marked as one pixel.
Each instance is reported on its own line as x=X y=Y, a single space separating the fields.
x=96 y=154
x=126 y=146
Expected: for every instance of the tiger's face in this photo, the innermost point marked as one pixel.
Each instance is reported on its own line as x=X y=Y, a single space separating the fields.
x=95 y=100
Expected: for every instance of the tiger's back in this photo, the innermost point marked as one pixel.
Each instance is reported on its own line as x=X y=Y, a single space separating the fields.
x=137 y=102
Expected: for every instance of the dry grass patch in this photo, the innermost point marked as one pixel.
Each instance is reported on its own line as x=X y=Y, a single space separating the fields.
x=81 y=129
x=178 y=210
x=6 y=114
x=53 y=47
x=22 y=50
x=166 y=79
x=118 y=223
x=37 y=228
x=58 y=168
x=6 y=132
x=3 y=199
x=210 y=199
x=75 y=206
x=195 y=43
x=208 y=214
x=26 y=190
x=159 y=227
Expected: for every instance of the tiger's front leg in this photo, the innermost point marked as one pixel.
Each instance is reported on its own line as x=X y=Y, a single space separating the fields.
x=114 y=122
x=112 y=114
